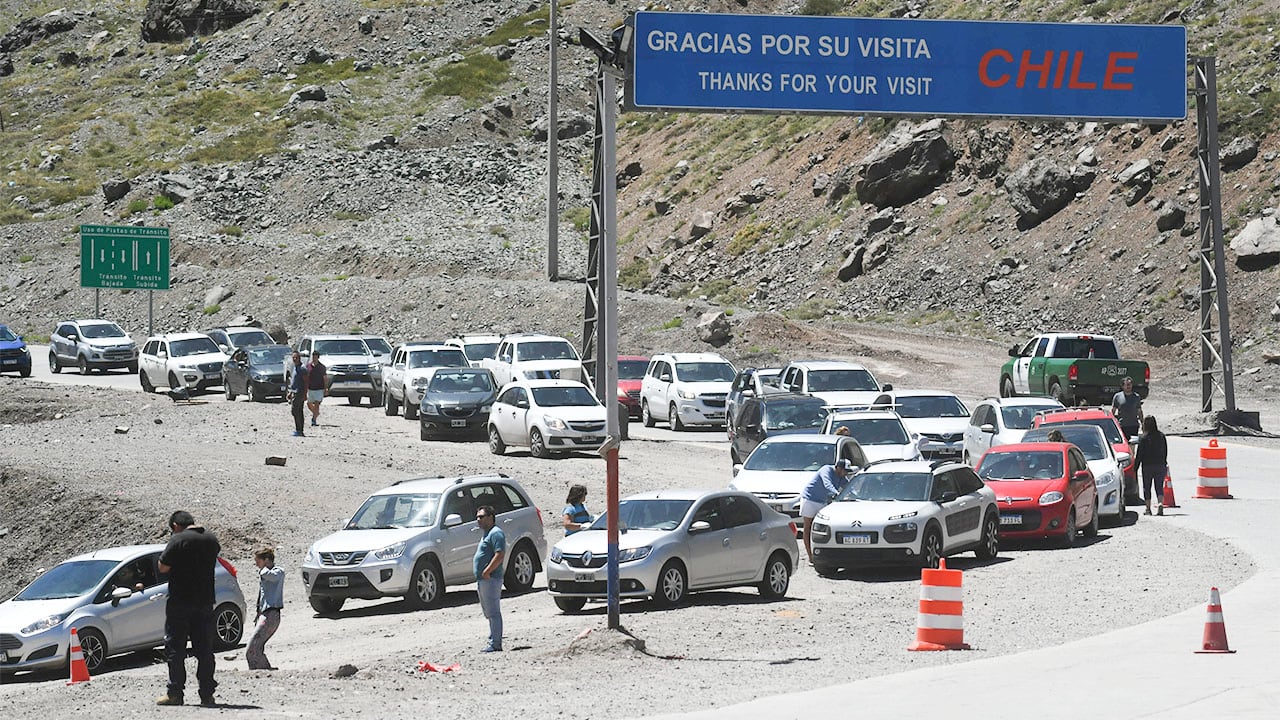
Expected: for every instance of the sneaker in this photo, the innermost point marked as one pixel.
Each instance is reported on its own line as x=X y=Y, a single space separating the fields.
x=1160 y=510
x=168 y=699
x=208 y=701
x=314 y=423
x=1147 y=511
x=297 y=433
x=490 y=648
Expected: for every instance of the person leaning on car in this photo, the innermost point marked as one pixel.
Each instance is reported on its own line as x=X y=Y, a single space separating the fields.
x=821 y=489
x=189 y=561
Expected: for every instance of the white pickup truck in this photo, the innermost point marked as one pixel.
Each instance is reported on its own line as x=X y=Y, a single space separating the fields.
x=408 y=372
x=534 y=357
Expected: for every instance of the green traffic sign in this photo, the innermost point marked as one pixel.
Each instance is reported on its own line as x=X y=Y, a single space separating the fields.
x=125 y=257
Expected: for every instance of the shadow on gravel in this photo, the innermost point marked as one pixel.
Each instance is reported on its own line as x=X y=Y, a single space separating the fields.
x=709 y=598
x=1051 y=544
x=454 y=598
x=130 y=661
x=909 y=574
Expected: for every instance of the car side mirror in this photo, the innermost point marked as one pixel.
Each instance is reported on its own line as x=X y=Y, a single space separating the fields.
x=225 y=348
x=736 y=469
x=665 y=377
x=946 y=497
x=162 y=354
x=522 y=404
x=119 y=594
x=699 y=527
x=988 y=428
x=1123 y=458
x=1133 y=439
x=1080 y=476
x=1013 y=352
x=73 y=337
x=886 y=387
x=452 y=520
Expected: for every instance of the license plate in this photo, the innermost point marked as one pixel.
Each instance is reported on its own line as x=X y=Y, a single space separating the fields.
x=583 y=577
x=591 y=439
x=457 y=423
x=11 y=362
x=1010 y=519
x=338 y=581
x=212 y=376
x=856 y=539
x=778 y=506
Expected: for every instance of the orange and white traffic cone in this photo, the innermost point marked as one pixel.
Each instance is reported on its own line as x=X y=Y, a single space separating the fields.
x=1215 y=630
x=79 y=671
x=1213 y=472
x=1168 y=499
x=941 y=620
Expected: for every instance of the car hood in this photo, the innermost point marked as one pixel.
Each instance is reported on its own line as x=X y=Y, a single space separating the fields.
x=12 y=344
x=629 y=385
x=369 y=540
x=332 y=360
x=937 y=426
x=1030 y=489
x=200 y=358
x=576 y=412
x=463 y=398
x=875 y=511
x=772 y=481
x=716 y=386
x=597 y=541
x=853 y=398
x=17 y=614
x=107 y=341
x=890 y=452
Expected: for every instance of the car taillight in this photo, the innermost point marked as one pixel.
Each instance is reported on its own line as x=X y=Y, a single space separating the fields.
x=1146 y=374
x=539 y=510
x=227 y=564
x=1073 y=372
x=792 y=525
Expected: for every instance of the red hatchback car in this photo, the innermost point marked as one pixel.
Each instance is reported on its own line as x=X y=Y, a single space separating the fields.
x=1043 y=490
x=1102 y=418
x=630 y=373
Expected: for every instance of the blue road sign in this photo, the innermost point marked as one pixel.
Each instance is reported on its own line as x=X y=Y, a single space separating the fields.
x=784 y=64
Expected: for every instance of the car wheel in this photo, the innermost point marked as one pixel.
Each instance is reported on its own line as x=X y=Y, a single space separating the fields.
x=375 y=400
x=133 y=367
x=353 y=399
x=1091 y=530
x=1055 y=392
x=25 y=372
x=1006 y=386
x=645 y=416
x=410 y=411
x=147 y=387
x=54 y=366
x=228 y=627
x=496 y=446
x=538 y=446
x=423 y=433
x=389 y=403
x=255 y=395
x=777 y=577
x=674 y=417
x=571 y=604
x=672 y=585
x=1069 y=531
x=94 y=648
x=226 y=389
x=326 y=605
x=83 y=365
x=173 y=381
x=426 y=587
x=990 y=546
x=520 y=570
x=931 y=549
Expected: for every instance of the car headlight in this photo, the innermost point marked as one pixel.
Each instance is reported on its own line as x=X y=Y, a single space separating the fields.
x=486 y=408
x=1051 y=497
x=687 y=394
x=26 y=350
x=821 y=531
x=259 y=376
x=622 y=394
x=420 y=382
x=554 y=423
x=631 y=554
x=312 y=558
x=44 y=624
x=390 y=552
x=430 y=409
x=904 y=516
x=556 y=555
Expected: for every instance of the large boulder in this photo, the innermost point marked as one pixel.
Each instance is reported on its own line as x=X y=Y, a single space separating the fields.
x=113 y=190
x=177 y=187
x=713 y=328
x=1041 y=187
x=701 y=223
x=988 y=149
x=1161 y=335
x=1238 y=153
x=1257 y=247
x=906 y=166
x=173 y=20
x=33 y=30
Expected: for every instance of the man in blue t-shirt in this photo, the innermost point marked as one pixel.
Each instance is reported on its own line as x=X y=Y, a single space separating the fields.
x=488 y=566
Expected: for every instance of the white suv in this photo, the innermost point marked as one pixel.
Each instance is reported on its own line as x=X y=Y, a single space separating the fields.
x=534 y=357
x=1000 y=421
x=409 y=372
x=180 y=360
x=840 y=384
x=417 y=536
x=686 y=389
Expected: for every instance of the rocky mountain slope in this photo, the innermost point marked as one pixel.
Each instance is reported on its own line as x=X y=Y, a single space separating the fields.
x=378 y=165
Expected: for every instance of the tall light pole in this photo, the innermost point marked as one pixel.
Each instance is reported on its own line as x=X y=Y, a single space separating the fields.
x=553 y=158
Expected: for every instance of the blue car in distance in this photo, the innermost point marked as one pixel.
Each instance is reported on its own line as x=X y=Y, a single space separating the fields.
x=14 y=355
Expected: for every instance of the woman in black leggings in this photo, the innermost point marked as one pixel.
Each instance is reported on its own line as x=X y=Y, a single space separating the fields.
x=1153 y=459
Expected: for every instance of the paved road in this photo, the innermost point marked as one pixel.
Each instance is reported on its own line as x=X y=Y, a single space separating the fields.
x=1153 y=669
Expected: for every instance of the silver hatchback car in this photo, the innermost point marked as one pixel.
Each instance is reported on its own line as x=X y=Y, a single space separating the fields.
x=114 y=598
x=417 y=536
x=675 y=541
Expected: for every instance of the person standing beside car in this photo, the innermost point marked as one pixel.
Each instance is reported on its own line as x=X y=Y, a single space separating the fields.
x=490 y=553
x=821 y=489
x=189 y=561
x=1153 y=459
x=1126 y=405
x=576 y=516
x=316 y=380
x=297 y=392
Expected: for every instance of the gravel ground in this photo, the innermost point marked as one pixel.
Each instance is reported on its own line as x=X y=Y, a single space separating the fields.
x=71 y=482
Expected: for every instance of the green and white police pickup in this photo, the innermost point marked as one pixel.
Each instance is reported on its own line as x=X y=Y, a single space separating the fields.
x=1076 y=368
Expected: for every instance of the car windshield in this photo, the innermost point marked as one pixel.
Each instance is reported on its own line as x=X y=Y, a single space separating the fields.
x=808 y=456
x=249 y=338
x=1020 y=417
x=545 y=350
x=632 y=369
x=705 y=372
x=1041 y=464
x=268 y=356
x=409 y=510
x=479 y=350
x=646 y=515
x=378 y=345
x=913 y=486
x=341 y=347
x=1086 y=437
x=874 y=431
x=68 y=580
x=1107 y=425
x=794 y=415
x=192 y=346
x=841 y=380
x=571 y=396
x=447 y=357
x=461 y=382
x=101 y=330
x=931 y=406
x=6 y=335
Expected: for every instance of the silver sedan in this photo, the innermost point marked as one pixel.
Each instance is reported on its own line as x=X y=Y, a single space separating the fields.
x=674 y=542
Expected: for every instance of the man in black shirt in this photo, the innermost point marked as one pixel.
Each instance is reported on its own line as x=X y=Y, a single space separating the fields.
x=189 y=560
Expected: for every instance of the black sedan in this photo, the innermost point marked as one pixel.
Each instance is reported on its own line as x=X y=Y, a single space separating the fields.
x=456 y=402
x=256 y=371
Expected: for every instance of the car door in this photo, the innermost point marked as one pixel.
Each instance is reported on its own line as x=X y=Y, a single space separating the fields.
x=236 y=372
x=1036 y=368
x=152 y=362
x=748 y=538
x=977 y=440
x=458 y=547
x=511 y=414
x=64 y=346
x=954 y=509
x=1084 y=492
x=1021 y=366
x=850 y=450
x=660 y=398
x=749 y=429
x=396 y=372
x=138 y=620
x=710 y=551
